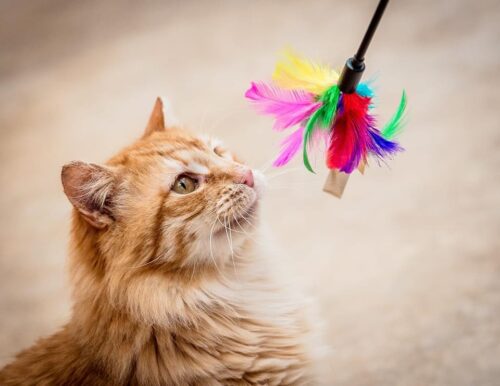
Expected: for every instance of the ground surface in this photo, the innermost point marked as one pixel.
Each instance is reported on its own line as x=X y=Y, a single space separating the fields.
x=406 y=266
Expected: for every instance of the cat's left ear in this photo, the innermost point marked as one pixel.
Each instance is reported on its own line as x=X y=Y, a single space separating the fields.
x=156 y=119
x=92 y=190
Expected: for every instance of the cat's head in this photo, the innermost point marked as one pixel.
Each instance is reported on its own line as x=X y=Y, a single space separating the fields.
x=171 y=201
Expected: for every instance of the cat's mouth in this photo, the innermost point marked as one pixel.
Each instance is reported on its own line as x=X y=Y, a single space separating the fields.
x=241 y=221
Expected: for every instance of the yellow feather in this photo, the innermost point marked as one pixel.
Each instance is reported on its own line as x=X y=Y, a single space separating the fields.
x=295 y=72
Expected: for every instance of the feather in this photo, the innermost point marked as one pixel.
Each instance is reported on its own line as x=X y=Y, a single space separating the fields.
x=309 y=129
x=330 y=100
x=396 y=123
x=319 y=139
x=295 y=72
x=289 y=107
x=354 y=135
x=349 y=137
x=380 y=146
x=290 y=147
x=322 y=118
x=365 y=90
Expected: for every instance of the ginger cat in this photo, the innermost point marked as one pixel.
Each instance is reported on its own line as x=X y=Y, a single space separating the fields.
x=169 y=287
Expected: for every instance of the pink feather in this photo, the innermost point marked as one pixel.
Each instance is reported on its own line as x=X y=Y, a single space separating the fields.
x=320 y=139
x=289 y=107
x=289 y=147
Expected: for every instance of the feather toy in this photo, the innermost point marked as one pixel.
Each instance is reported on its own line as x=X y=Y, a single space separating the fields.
x=323 y=104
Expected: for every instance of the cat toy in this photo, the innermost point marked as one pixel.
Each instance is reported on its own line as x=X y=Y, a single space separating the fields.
x=330 y=109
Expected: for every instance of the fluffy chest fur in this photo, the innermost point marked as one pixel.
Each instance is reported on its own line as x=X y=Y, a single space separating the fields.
x=244 y=336
x=237 y=326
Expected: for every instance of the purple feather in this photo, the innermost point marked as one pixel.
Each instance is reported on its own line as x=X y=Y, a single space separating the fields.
x=289 y=107
x=381 y=147
x=289 y=147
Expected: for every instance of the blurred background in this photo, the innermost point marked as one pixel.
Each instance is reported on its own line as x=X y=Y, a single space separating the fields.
x=406 y=267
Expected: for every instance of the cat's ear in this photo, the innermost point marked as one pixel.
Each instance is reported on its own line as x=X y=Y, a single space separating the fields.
x=90 y=188
x=156 y=119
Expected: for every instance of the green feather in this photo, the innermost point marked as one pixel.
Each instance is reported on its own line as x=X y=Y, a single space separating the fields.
x=394 y=126
x=330 y=102
x=322 y=118
x=310 y=125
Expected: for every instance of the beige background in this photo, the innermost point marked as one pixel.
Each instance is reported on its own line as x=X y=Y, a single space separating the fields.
x=406 y=266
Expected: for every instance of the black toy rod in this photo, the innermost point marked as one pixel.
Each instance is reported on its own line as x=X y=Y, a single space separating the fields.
x=377 y=16
x=354 y=67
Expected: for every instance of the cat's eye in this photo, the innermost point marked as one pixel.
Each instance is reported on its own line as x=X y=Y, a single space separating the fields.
x=185 y=184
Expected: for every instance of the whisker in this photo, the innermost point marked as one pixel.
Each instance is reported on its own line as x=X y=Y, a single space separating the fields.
x=283 y=172
x=290 y=186
x=244 y=232
x=145 y=264
x=266 y=165
x=230 y=240
x=222 y=118
x=194 y=268
x=211 y=249
x=244 y=217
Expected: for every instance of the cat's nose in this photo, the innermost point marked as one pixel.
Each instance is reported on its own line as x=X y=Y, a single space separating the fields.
x=247 y=178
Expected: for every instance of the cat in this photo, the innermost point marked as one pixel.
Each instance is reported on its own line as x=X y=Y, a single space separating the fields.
x=170 y=286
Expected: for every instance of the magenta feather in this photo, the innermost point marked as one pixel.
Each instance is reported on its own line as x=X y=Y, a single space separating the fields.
x=289 y=107
x=289 y=147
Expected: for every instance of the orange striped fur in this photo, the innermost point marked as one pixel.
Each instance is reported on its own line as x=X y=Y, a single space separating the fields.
x=163 y=293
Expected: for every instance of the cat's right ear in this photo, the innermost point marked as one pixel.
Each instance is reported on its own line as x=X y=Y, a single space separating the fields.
x=156 y=119
x=90 y=188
